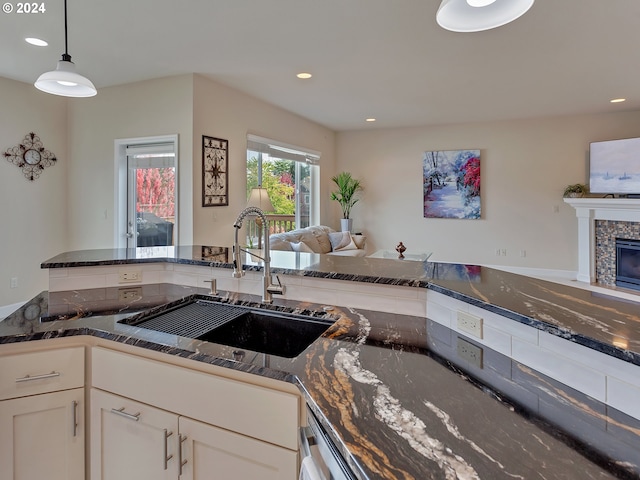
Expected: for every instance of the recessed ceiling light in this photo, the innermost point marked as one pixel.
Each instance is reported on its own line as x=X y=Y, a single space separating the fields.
x=36 y=41
x=370 y=120
x=618 y=100
x=304 y=75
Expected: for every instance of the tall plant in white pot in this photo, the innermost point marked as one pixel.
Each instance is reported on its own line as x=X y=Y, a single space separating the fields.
x=347 y=196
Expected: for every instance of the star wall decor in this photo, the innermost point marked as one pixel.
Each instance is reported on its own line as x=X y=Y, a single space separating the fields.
x=30 y=156
x=215 y=162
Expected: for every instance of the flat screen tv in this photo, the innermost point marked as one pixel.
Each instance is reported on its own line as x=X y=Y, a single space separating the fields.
x=614 y=167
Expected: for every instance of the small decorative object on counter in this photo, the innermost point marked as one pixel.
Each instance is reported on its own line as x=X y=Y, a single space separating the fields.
x=401 y=249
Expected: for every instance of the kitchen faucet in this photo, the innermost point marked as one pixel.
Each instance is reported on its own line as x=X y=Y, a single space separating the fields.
x=268 y=289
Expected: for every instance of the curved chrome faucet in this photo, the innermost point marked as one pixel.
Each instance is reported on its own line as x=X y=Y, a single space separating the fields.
x=268 y=288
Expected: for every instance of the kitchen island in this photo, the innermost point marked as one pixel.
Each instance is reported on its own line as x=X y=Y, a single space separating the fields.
x=396 y=392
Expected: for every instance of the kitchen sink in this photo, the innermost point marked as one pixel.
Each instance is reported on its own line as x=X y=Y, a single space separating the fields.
x=262 y=330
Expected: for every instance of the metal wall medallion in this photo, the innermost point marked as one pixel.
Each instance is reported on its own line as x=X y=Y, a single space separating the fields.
x=215 y=163
x=30 y=156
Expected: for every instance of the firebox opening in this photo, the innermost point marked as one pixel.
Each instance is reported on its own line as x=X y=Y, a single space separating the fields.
x=628 y=263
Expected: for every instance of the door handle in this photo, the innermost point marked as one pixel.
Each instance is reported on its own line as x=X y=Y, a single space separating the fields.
x=74 y=406
x=181 y=462
x=131 y=416
x=167 y=434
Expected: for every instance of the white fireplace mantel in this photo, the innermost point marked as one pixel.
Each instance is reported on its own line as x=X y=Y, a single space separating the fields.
x=588 y=210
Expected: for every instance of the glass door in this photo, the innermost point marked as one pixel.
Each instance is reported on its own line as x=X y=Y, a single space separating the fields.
x=151 y=196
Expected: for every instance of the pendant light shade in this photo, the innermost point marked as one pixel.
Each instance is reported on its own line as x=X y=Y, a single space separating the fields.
x=478 y=15
x=64 y=80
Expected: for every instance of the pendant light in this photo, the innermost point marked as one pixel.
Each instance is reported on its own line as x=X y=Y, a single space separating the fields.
x=478 y=15
x=64 y=80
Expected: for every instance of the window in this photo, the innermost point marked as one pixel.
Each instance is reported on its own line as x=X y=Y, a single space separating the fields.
x=290 y=176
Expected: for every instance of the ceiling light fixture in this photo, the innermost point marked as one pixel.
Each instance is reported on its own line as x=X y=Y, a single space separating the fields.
x=304 y=75
x=64 y=80
x=371 y=119
x=618 y=100
x=478 y=15
x=36 y=41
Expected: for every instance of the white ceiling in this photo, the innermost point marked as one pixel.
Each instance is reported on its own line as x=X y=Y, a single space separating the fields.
x=386 y=59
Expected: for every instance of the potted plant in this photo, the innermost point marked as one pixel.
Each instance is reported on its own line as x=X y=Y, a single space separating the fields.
x=575 y=190
x=346 y=196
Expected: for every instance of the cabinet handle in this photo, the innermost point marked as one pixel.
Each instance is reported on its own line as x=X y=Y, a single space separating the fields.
x=167 y=434
x=74 y=405
x=181 y=462
x=29 y=378
x=131 y=416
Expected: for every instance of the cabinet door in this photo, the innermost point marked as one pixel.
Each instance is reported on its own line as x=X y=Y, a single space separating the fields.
x=131 y=440
x=213 y=453
x=42 y=436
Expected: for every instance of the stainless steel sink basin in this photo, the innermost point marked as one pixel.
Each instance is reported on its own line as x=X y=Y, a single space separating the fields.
x=260 y=330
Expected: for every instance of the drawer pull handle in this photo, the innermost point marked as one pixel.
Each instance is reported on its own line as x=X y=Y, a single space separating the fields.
x=131 y=416
x=167 y=434
x=75 y=418
x=29 y=378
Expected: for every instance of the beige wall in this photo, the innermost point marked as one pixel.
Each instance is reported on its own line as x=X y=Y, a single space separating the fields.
x=222 y=112
x=33 y=214
x=143 y=109
x=525 y=166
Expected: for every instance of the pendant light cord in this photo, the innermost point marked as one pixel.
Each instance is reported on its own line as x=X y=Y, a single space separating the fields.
x=65 y=56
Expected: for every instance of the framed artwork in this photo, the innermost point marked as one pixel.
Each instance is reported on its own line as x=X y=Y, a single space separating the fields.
x=451 y=184
x=215 y=180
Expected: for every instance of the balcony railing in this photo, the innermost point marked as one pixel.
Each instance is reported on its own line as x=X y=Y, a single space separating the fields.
x=277 y=224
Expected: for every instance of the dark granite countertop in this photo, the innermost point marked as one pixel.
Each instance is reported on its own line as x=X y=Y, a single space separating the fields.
x=391 y=391
x=596 y=320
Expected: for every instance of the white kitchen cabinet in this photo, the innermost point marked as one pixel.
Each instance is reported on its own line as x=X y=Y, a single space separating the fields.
x=42 y=428
x=43 y=436
x=214 y=453
x=210 y=427
x=132 y=440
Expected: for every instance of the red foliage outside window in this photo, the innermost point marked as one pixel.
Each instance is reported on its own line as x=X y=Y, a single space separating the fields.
x=155 y=190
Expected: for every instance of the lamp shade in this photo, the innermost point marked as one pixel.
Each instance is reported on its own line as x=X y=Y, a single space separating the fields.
x=463 y=16
x=260 y=198
x=65 y=81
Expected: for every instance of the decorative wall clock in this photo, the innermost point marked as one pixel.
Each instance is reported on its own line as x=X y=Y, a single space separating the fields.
x=215 y=180
x=30 y=156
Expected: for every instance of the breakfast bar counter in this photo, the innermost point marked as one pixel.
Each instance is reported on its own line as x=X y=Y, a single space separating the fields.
x=403 y=396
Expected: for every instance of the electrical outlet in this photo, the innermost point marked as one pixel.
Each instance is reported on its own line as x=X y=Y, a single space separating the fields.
x=470 y=324
x=469 y=352
x=13 y=282
x=503 y=252
x=131 y=293
x=498 y=252
x=523 y=253
x=130 y=276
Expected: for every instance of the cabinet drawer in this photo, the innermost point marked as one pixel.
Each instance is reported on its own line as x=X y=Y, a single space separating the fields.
x=41 y=372
x=252 y=410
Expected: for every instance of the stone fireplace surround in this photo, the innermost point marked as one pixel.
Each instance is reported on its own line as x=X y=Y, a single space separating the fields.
x=606 y=233
x=600 y=221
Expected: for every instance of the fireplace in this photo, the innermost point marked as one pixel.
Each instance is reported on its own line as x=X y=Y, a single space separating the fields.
x=620 y=217
x=628 y=263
